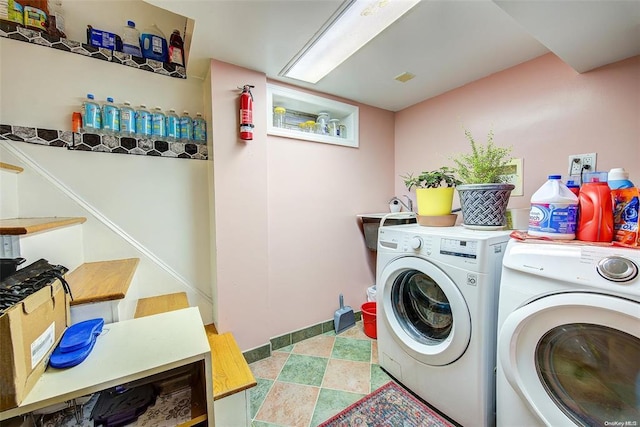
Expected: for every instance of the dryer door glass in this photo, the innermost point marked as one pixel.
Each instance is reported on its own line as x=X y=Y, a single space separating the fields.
x=421 y=307
x=592 y=373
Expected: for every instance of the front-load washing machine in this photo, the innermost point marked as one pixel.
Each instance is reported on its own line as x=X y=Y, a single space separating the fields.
x=437 y=293
x=569 y=336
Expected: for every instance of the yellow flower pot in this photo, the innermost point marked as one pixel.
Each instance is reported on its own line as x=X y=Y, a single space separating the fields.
x=434 y=201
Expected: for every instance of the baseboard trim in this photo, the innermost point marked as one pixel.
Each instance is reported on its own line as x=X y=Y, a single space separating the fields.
x=282 y=341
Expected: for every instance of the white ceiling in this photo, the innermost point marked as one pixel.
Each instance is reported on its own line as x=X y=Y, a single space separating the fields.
x=445 y=43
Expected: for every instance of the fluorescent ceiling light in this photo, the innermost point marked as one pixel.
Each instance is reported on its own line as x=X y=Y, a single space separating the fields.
x=353 y=25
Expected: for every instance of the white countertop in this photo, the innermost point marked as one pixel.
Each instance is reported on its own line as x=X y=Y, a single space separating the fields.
x=125 y=351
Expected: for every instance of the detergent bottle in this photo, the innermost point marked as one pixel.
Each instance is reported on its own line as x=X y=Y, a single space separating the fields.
x=553 y=211
x=596 y=209
x=619 y=178
x=154 y=44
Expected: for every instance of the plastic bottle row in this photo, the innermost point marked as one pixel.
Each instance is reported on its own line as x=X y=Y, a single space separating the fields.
x=141 y=122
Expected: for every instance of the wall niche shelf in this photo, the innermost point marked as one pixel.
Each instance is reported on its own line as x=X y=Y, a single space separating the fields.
x=103 y=143
x=14 y=31
x=301 y=106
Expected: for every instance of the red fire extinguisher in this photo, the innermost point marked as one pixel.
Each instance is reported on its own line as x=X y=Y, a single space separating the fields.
x=246 y=113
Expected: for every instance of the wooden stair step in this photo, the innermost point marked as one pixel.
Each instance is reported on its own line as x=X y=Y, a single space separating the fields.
x=101 y=281
x=161 y=304
x=11 y=168
x=231 y=373
x=20 y=226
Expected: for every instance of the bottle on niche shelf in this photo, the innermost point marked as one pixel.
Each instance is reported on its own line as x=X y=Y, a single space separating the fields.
x=186 y=127
x=176 y=49
x=127 y=119
x=154 y=44
x=143 y=122
x=158 y=124
x=131 y=39
x=110 y=117
x=173 y=126
x=199 y=129
x=91 y=114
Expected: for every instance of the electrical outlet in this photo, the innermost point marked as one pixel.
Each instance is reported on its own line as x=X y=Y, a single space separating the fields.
x=579 y=163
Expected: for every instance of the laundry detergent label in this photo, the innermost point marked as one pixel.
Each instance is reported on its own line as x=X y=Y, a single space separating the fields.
x=553 y=218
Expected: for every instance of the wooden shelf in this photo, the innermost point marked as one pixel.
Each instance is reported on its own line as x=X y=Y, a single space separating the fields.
x=21 y=226
x=231 y=373
x=101 y=281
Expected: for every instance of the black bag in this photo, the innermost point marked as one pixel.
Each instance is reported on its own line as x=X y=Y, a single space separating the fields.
x=117 y=407
x=29 y=280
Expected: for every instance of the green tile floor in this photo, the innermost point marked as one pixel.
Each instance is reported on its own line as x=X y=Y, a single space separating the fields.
x=306 y=383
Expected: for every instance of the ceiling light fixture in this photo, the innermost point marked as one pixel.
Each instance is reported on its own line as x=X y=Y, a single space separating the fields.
x=354 y=24
x=404 y=77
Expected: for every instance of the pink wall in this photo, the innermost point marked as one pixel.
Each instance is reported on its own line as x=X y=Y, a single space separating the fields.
x=543 y=108
x=316 y=248
x=288 y=240
x=240 y=203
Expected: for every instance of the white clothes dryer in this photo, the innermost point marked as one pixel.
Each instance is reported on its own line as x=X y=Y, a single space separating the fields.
x=569 y=336
x=437 y=291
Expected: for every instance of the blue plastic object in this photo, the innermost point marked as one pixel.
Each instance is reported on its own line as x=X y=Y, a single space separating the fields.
x=61 y=360
x=80 y=335
x=76 y=344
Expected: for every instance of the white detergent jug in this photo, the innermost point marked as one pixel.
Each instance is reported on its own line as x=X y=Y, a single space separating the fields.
x=554 y=210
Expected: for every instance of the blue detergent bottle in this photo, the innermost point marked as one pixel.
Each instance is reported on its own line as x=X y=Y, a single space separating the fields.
x=154 y=44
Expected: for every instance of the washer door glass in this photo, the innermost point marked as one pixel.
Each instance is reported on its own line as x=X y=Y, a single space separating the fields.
x=592 y=373
x=424 y=310
x=421 y=307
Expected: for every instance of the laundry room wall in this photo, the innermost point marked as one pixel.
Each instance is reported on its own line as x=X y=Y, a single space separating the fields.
x=543 y=108
x=288 y=241
x=161 y=202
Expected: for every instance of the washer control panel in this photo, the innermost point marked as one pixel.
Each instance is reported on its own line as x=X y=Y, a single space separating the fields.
x=459 y=248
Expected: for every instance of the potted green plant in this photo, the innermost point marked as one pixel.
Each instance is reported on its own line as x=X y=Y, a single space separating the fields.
x=434 y=190
x=483 y=193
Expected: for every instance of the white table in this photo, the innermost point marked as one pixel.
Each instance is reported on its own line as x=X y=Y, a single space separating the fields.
x=128 y=351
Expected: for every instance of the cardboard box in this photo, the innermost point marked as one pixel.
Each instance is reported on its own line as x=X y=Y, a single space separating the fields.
x=29 y=331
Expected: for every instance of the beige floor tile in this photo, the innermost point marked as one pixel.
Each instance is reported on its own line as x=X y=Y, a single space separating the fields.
x=374 y=352
x=320 y=346
x=355 y=332
x=348 y=375
x=288 y=405
x=270 y=367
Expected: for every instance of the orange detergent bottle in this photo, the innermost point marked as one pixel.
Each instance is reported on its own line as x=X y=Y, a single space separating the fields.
x=595 y=208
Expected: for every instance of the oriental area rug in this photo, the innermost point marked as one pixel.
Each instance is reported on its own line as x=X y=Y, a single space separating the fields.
x=389 y=406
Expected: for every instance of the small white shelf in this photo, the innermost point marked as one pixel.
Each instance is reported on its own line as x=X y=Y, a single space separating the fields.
x=293 y=100
x=128 y=351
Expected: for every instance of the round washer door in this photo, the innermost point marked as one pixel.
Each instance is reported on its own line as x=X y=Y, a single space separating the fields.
x=425 y=311
x=574 y=358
